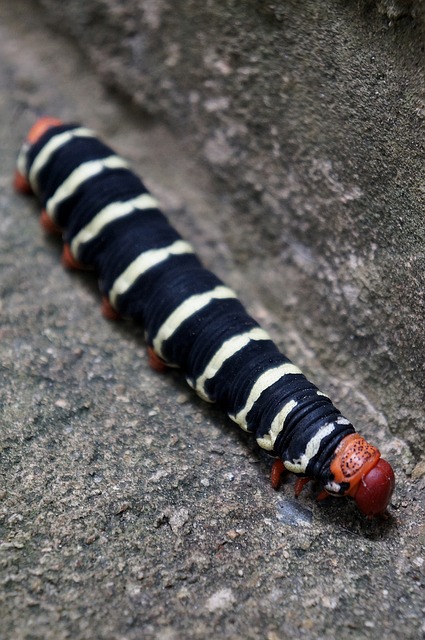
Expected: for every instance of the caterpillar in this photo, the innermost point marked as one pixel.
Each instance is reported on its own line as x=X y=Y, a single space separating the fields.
x=147 y=272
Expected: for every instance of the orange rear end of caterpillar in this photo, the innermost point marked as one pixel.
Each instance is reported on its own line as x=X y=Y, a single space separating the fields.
x=20 y=182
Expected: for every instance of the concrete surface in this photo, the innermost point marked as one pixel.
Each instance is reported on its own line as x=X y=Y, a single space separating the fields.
x=128 y=508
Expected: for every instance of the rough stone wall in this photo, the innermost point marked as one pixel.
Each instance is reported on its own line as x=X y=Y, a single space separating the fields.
x=310 y=114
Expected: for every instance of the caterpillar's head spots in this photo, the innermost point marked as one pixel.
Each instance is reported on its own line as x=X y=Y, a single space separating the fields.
x=370 y=479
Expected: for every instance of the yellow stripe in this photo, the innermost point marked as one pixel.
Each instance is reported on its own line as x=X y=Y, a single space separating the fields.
x=311 y=450
x=142 y=263
x=266 y=380
x=43 y=157
x=188 y=308
x=226 y=351
x=80 y=175
x=268 y=440
x=108 y=214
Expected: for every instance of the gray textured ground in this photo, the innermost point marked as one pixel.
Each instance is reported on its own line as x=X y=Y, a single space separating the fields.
x=128 y=508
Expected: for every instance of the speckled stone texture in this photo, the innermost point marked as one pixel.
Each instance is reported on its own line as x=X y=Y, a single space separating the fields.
x=311 y=116
x=130 y=509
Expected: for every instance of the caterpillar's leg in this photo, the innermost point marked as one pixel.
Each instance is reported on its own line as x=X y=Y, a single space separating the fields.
x=155 y=361
x=48 y=225
x=108 y=310
x=322 y=495
x=21 y=184
x=300 y=484
x=278 y=470
x=68 y=260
